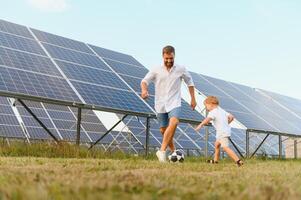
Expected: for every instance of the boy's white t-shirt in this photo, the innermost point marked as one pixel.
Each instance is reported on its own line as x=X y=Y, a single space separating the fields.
x=220 y=122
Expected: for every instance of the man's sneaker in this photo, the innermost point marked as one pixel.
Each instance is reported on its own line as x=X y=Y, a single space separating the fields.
x=161 y=155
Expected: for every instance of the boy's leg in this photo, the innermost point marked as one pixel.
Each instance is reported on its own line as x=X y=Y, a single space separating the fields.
x=231 y=153
x=225 y=146
x=217 y=151
x=171 y=144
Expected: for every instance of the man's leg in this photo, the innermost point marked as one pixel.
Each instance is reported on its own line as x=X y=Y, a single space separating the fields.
x=163 y=122
x=217 y=151
x=171 y=144
x=169 y=133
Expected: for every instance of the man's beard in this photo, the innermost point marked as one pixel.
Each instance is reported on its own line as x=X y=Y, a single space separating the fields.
x=168 y=64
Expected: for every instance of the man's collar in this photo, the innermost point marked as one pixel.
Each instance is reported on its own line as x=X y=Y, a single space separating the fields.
x=172 y=68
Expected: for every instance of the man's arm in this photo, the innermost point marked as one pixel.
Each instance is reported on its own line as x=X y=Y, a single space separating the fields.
x=193 y=101
x=188 y=80
x=149 y=77
x=144 y=90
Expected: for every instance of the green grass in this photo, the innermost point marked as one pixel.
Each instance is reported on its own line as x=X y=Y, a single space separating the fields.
x=79 y=174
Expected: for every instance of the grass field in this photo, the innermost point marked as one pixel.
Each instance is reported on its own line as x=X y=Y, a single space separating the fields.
x=79 y=174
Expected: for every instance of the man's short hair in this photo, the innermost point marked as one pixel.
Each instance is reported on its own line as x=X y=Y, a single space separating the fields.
x=168 y=50
x=212 y=100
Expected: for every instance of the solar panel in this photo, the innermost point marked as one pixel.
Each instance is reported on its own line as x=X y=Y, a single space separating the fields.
x=292 y=104
x=22 y=82
x=33 y=128
x=25 y=61
x=61 y=41
x=91 y=75
x=20 y=43
x=133 y=74
x=127 y=69
x=13 y=28
x=61 y=121
x=247 y=105
x=137 y=127
x=135 y=82
x=110 y=98
x=74 y=56
x=113 y=55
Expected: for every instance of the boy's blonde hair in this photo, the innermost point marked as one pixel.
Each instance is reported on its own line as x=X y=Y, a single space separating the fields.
x=211 y=100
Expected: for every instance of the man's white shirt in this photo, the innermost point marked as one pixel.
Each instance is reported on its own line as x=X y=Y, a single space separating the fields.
x=168 y=86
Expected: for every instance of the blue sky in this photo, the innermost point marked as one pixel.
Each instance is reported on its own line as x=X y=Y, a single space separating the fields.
x=255 y=42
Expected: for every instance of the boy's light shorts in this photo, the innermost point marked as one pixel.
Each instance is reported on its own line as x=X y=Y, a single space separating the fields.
x=224 y=141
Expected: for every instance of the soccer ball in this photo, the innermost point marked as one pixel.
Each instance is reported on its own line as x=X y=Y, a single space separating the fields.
x=176 y=156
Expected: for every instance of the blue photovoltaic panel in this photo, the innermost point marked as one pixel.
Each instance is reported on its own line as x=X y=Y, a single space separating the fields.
x=38 y=133
x=9 y=119
x=91 y=75
x=269 y=110
x=113 y=55
x=9 y=125
x=106 y=140
x=70 y=135
x=61 y=41
x=227 y=102
x=33 y=128
x=137 y=127
x=12 y=80
x=9 y=131
x=20 y=60
x=75 y=57
x=258 y=104
x=126 y=69
x=292 y=104
x=135 y=84
x=248 y=106
x=111 y=98
x=20 y=43
x=66 y=122
x=31 y=122
x=61 y=115
x=14 y=29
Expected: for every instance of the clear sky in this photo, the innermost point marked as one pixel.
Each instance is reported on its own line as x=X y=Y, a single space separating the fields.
x=252 y=42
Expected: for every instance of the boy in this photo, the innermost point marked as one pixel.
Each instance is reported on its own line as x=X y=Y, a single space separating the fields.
x=221 y=120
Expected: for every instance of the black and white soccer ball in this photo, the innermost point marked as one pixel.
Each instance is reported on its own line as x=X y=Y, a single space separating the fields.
x=176 y=156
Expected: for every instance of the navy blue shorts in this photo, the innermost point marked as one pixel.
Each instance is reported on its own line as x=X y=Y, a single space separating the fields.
x=163 y=118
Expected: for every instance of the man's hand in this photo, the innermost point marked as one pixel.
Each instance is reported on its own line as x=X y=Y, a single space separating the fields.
x=193 y=103
x=144 y=94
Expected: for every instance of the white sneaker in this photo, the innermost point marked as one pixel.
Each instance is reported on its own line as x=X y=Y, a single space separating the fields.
x=161 y=155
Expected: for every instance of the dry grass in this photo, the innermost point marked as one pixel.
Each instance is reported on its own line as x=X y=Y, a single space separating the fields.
x=98 y=176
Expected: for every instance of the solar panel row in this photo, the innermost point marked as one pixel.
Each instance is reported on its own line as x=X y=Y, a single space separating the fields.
x=251 y=108
x=41 y=64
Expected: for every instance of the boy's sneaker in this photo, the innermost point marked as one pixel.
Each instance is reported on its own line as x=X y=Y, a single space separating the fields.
x=212 y=161
x=239 y=163
x=161 y=155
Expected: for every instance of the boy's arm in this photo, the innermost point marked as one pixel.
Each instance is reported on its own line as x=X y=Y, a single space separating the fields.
x=230 y=118
x=203 y=123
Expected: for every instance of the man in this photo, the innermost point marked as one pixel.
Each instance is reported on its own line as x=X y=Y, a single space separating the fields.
x=167 y=79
